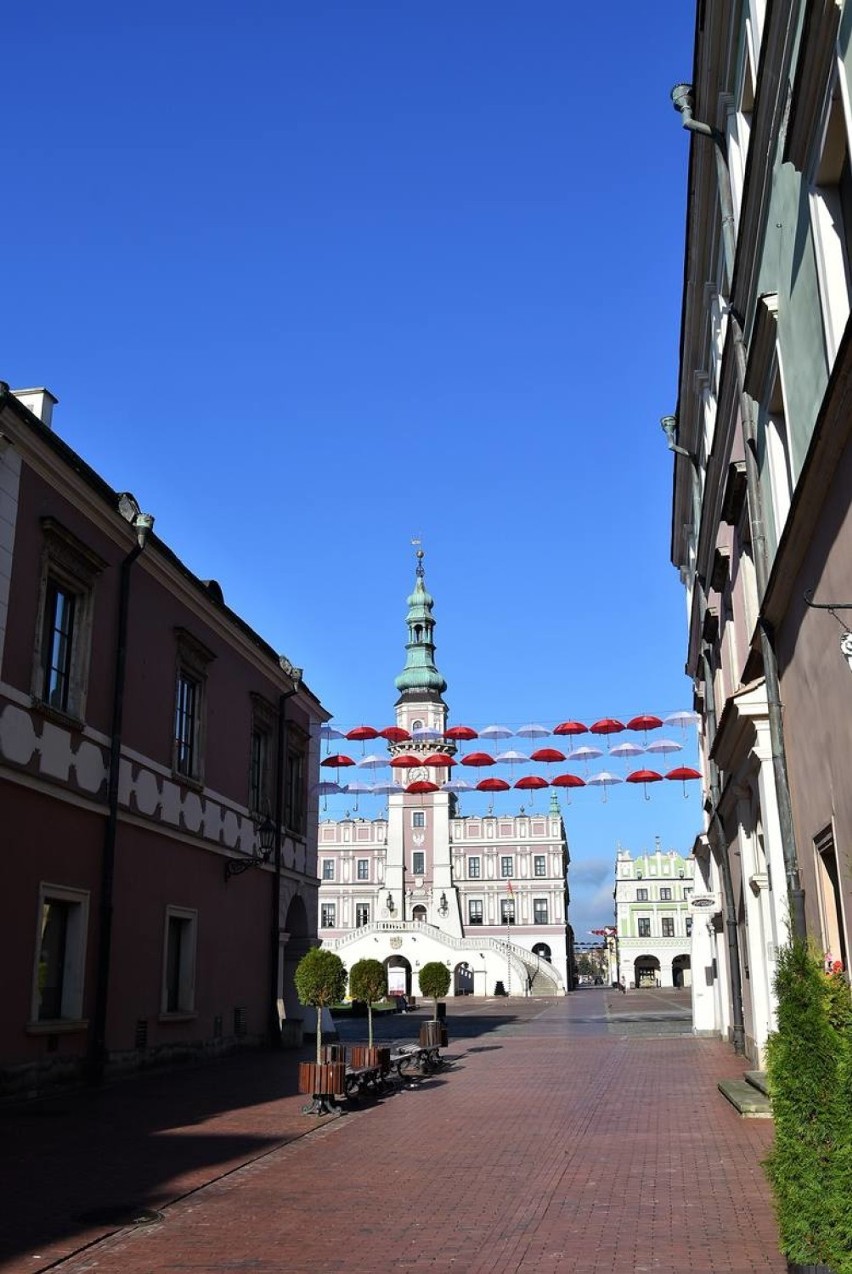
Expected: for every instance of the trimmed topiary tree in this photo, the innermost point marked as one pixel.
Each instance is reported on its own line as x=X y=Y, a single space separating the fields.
x=368 y=981
x=434 y=982
x=320 y=979
x=809 y=1076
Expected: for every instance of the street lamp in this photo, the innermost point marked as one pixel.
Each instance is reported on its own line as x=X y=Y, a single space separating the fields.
x=260 y=855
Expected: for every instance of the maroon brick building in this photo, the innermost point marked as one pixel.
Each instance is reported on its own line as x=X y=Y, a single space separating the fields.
x=156 y=759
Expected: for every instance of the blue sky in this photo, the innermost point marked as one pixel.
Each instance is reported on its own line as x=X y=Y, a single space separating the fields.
x=312 y=279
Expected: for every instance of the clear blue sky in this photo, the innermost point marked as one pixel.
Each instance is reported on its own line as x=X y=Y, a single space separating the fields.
x=313 y=278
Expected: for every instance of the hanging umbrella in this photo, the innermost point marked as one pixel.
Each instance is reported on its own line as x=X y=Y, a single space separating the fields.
x=645 y=777
x=337 y=761
x=626 y=750
x=683 y=719
x=405 y=761
x=548 y=756
x=457 y=785
x=532 y=731
x=461 y=733
x=492 y=785
x=683 y=773
x=361 y=732
x=325 y=790
x=331 y=732
x=424 y=733
x=421 y=786
x=662 y=746
x=512 y=757
x=571 y=727
x=394 y=734
x=644 y=723
x=603 y=780
x=385 y=789
x=496 y=732
x=531 y=783
x=373 y=761
x=477 y=758
x=583 y=754
x=439 y=759
x=607 y=725
x=359 y=789
x=567 y=780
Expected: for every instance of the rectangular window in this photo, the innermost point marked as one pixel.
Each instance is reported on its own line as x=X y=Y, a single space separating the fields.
x=474 y=868
x=668 y=927
x=418 y=818
x=295 y=789
x=57 y=645
x=178 y=988
x=830 y=897
x=362 y=870
x=665 y=894
x=186 y=725
x=362 y=914
x=328 y=915
x=258 y=799
x=474 y=911
x=641 y=895
x=418 y=862
x=507 y=867
x=328 y=869
x=540 y=911
x=507 y=911
x=643 y=927
x=688 y=923
x=60 y=954
x=539 y=865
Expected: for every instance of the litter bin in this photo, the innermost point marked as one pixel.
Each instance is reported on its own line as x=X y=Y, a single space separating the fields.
x=442 y=1012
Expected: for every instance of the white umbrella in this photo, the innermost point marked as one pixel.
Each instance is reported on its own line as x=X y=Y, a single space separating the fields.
x=583 y=754
x=384 y=789
x=326 y=789
x=664 y=745
x=532 y=731
x=604 y=779
x=683 y=719
x=373 y=761
x=496 y=732
x=512 y=757
x=457 y=785
x=626 y=749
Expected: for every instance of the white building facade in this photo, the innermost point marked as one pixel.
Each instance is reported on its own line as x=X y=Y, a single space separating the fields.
x=486 y=895
x=654 y=918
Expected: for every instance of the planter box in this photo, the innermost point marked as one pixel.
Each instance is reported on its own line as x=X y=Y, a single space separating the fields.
x=433 y=1035
x=363 y=1055
x=324 y=1080
x=334 y=1052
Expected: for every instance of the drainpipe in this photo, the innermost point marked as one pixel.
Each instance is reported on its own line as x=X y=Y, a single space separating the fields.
x=682 y=101
x=142 y=524
x=275 y=928
x=737 y=1022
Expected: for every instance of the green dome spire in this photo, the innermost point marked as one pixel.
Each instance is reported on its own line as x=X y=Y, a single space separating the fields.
x=420 y=676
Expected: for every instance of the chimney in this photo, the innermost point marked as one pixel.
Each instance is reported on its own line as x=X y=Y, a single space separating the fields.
x=39 y=401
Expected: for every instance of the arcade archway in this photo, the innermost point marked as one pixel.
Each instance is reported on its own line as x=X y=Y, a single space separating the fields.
x=646 y=971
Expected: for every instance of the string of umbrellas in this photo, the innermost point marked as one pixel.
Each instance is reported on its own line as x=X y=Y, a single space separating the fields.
x=573 y=751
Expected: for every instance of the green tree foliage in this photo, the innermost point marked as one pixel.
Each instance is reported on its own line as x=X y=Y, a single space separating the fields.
x=809 y=1073
x=434 y=982
x=368 y=981
x=320 y=979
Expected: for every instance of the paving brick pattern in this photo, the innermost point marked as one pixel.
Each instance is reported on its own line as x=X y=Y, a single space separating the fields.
x=557 y=1139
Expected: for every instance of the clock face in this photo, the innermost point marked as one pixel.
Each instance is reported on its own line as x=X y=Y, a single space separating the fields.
x=419 y=775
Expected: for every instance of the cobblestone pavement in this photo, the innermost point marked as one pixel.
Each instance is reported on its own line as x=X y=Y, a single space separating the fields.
x=557 y=1138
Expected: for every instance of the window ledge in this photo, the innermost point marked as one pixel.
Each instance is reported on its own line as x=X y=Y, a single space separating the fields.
x=58 y=1026
x=187 y=780
x=67 y=719
x=179 y=1016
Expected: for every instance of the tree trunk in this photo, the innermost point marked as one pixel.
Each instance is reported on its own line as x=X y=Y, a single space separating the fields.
x=319 y=1035
x=370 y=1023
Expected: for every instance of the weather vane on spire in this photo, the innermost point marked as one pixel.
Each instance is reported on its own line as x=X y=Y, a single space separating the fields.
x=419 y=554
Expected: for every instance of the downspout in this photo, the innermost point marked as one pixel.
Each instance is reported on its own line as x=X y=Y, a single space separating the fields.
x=275 y=928
x=682 y=101
x=737 y=1021
x=142 y=524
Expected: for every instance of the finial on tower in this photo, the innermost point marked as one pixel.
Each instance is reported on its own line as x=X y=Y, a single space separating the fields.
x=419 y=554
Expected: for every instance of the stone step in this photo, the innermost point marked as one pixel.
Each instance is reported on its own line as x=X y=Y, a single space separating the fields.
x=744 y=1097
x=757 y=1079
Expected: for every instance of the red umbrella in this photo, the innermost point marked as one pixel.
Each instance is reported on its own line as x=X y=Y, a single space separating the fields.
x=461 y=732
x=567 y=780
x=338 y=761
x=571 y=727
x=548 y=755
x=405 y=761
x=439 y=759
x=477 y=758
x=645 y=777
x=644 y=723
x=492 y=785
x=683 y=772
x=361 y=732
x=607 y=725
x=394 y=734
x=531 y=783
x=422 y=786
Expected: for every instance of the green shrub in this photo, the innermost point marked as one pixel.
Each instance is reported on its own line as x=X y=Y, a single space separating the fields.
x=809 y=1074
x=368 y=981
x=434 y=981
x=320 y=979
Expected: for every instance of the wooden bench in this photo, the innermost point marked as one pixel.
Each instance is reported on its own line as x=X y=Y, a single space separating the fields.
x=409 y=1059
x=361 y=1079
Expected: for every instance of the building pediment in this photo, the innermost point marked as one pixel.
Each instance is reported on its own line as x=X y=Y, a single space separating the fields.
x=737 y=728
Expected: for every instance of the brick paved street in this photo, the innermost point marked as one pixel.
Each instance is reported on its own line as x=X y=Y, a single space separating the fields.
x=580 y=1135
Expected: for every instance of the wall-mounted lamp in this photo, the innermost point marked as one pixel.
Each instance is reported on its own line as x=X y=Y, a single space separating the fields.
x=389 y=903
x=668 y=424
x=443 y=905
x=260 y=854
